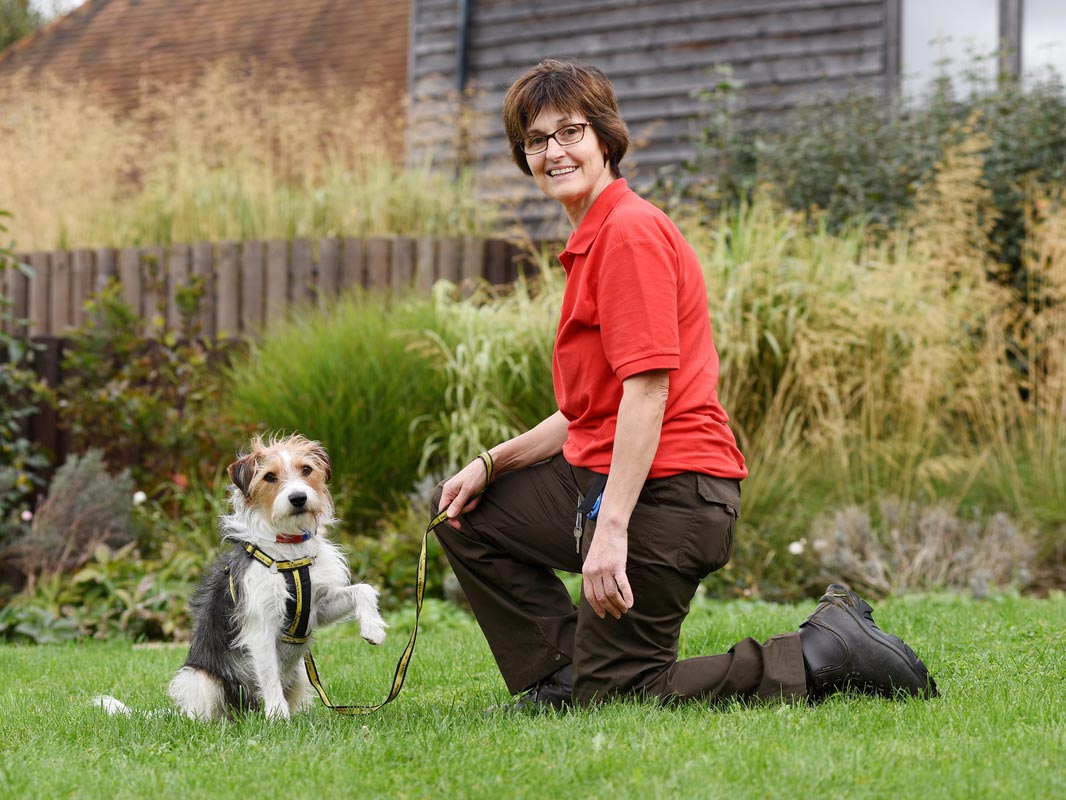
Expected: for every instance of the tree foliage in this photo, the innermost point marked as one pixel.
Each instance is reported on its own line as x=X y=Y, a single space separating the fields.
x=18 y=19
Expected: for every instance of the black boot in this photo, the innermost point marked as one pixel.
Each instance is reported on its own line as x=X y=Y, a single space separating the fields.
x=843 y=649
x=554 y=693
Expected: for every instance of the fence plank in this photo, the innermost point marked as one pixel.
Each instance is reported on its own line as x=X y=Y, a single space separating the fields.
x=277 y=279
x=329 y=264
x=81 y=284
x=473 y=263
x=203 y=268
x=228 y=284
x=377 y=262
x=17 y=291
x=59 y=313
x=44 y=425
x=153 y=282
x=448 y=259
x=253 y=280
x=353 y=264
x=500 y=262
x=177 y=277
x=104 y=268
x=425 y=256
x=129 y=272
x=302 y=286
x=403 y=264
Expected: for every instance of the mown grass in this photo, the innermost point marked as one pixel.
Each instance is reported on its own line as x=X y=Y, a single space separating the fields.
x=997 y=731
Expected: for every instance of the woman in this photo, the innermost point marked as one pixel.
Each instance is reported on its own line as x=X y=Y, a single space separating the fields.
x=635 y=481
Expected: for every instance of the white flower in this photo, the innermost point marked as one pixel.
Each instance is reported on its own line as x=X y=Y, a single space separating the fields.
x=139 y=498
x=27 y=515
x=797 y=547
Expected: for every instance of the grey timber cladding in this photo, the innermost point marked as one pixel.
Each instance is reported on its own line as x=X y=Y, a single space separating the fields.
x=659 y=55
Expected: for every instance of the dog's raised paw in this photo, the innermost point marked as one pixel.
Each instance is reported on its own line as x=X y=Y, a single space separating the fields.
x=373 y=630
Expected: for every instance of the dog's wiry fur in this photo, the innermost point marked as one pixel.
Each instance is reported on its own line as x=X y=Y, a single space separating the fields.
x=236 y=660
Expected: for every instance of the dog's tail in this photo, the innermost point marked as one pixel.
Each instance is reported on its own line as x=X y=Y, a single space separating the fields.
x=112 y=705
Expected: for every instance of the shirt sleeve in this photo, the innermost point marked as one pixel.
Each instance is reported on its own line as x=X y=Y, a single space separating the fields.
x=636 y=302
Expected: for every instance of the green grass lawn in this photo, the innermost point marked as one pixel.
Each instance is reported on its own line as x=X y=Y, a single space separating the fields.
x=999 y=730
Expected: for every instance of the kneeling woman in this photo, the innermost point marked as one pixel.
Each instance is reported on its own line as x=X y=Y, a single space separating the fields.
x=634 y=481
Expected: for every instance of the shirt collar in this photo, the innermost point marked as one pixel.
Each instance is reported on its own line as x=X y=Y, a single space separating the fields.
x=581 y=239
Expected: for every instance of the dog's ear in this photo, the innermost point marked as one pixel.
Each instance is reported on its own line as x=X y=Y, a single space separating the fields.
x=321 y=455
x=241 y=473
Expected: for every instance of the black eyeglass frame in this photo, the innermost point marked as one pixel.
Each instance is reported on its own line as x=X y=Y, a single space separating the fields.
x=552 y=135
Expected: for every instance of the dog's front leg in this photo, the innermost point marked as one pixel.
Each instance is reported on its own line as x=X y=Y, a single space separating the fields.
x=263 y=648
x=358 y=601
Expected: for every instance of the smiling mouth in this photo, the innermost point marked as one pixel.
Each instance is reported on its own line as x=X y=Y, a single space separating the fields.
x=555 y=173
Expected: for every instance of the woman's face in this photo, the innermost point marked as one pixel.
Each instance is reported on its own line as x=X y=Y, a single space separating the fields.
x=573 y=175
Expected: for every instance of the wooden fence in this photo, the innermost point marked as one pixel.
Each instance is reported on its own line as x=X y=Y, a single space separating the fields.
x=247 y=284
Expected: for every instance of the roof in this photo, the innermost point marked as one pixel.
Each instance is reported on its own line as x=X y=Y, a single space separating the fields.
x=117 y=44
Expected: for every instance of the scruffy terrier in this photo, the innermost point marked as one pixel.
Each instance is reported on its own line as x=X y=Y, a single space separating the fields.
x=258 y=603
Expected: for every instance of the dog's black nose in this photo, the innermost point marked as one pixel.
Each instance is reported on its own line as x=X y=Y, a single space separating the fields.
x=298 y=499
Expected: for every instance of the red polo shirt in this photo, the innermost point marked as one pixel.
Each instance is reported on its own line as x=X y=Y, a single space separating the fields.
x=635 y=301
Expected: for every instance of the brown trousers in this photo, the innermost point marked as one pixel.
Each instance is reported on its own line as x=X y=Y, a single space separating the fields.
x=681 y=530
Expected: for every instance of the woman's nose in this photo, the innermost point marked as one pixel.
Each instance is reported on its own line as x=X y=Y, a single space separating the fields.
x=554 y=148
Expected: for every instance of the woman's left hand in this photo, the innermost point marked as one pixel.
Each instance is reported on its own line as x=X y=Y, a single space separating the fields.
x=603 y=574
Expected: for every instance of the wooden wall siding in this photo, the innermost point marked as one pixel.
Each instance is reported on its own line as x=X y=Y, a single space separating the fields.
x=659 y=54
x=249 y=284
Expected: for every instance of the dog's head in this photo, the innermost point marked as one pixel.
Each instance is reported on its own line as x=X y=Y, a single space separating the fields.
x=283 y=481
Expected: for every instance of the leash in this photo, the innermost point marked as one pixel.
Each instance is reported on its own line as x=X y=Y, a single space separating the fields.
x=409 y=650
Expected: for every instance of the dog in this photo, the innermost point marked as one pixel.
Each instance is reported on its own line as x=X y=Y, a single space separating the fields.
x=256 y=607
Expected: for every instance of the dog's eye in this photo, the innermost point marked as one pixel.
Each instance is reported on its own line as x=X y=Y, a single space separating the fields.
x=306 y=470
x=270 y=477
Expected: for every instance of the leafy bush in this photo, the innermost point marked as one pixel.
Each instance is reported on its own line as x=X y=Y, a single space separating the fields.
x=865 y=157
x=496 y=350
x=907 y=548
x=352 y=377
x=117 y=592
x=85 y=507
x=21 y=461
x=152 y=405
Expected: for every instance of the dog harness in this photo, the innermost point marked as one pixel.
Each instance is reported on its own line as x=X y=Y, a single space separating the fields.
x=296 y=629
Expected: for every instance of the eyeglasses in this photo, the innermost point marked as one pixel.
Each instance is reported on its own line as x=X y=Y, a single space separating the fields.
x=567 y=135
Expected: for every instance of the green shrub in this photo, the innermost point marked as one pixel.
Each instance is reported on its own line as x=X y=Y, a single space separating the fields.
x=353 y=377
x=21 y=461
x=496 y=351
x=151 y=404
x=85 y=507
x=865 y=157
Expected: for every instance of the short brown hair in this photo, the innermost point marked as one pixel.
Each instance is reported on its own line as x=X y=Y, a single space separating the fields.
x=569 y=88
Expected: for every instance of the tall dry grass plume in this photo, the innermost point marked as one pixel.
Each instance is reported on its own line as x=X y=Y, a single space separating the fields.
x=236 y=155
x=872 y=371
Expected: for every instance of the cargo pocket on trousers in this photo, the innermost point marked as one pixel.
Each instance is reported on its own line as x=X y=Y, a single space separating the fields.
x=708 y=541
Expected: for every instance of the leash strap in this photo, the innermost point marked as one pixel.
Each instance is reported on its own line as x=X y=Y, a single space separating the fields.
x=405 y=657
x=408 y=652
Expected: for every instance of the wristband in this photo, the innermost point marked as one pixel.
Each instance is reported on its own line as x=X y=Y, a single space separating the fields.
x=486 y=459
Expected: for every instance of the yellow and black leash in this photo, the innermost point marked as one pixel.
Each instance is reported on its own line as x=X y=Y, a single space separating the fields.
x=408 y=651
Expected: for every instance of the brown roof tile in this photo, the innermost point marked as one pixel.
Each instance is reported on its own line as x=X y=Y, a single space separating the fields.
x=115 y=44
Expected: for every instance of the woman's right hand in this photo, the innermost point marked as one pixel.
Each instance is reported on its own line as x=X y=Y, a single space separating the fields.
x=462 y=492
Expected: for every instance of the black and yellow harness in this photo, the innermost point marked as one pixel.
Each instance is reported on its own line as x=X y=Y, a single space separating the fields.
x=295 y=629
x=297 y=574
